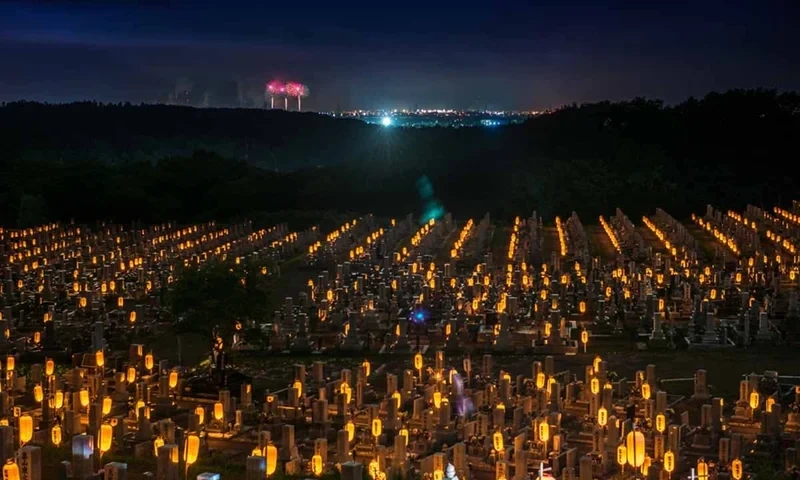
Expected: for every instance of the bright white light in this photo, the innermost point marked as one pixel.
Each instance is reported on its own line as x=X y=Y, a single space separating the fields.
x=386 y=121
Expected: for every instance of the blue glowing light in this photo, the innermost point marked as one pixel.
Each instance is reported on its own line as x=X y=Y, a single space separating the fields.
x=386 y=121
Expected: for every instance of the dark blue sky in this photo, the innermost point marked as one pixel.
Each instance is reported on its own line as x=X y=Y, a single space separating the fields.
x=496 y=53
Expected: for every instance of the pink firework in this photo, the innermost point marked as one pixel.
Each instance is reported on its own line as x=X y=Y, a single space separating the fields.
x=294 y=89
x=275 y=88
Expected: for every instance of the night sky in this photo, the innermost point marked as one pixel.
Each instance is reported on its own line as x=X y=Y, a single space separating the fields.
x=503 y=54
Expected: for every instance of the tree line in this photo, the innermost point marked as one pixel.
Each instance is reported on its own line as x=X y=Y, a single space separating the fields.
x=151 y=163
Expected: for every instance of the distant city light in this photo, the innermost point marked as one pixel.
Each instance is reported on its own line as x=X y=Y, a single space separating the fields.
x=386 y=121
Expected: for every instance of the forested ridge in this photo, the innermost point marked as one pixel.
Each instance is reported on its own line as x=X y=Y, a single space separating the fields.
x=86 y=161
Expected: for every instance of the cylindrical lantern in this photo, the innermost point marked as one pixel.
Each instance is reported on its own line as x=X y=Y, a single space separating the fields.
x=106 y=405
x=55 y=435
x=437 y=399
x=404 y=434
x=661 y=423
x=622 y=456
x=754 y=400
x=497 y=441
x=602 y=416
x=272 y=458
x=398 y=399
x=298 y=385
x=38 y=393
x=316 y=464
x=131 y=376
x=157 y=443
x=377 y=427
x=105 y=435
x=646 y=391
x=737 y=469
x=366 y=366
x=702 y=469
x=148 y=361
x=10 y=471
x=25 y=428
x=173 y=379
x=49 y=367
x=59 y=399
x=218 y=411
x=669 y=461
x=596 y=364
x=544 y=431
x=595 y=386
x=201 y=414
x=84 y=397
x=418 y=361
x=192 y=449
x=99 y=358
x=10 y=363
x=540 y=380
x=635 y=448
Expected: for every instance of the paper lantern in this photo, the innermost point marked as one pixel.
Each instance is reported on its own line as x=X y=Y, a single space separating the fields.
x=661 y=423
x=404 y=434
x=25 y=428
x=132 y=316
x=192 y=449
x=377 y=427
x=702 y=469
x=602 y=416
x=10 y=471
x=84 y=397
x=201 y=414
x=622 y=455
x=347 y=391
x=106 y=405
x=540 y=380
x=298 y=386
x=437 y=399
x=418 y=361
x=131 y=376
x=59 y=399
x=55 y=435
x=38 y=393
x=173 y=379
x=582 y=307
x=99 y=358
x=157 y=443
x=272 y=458
x=316 y=464
x=646 y=465
x=218 y=411
x=105 y=434
x=635 y=448
x=594 y=385
x=584 y=337
x=544 y=431
x=754 y=400
x=497 y=441
x=669 y=461
x=10 y=363
x=737 y=469
x=646 y=391
x=148 y=361
x=351 y=430
x=49 y=367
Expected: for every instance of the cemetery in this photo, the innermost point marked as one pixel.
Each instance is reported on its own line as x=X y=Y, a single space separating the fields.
x=430 y=349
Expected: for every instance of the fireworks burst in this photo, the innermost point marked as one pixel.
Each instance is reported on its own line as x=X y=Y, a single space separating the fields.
x=275 y=89
x=298 y=90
